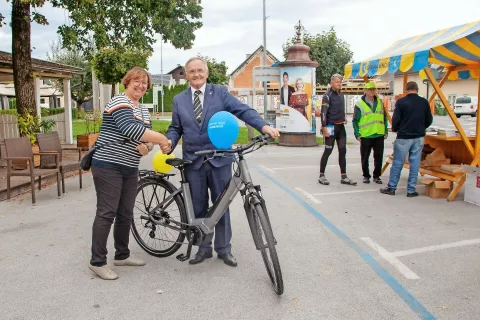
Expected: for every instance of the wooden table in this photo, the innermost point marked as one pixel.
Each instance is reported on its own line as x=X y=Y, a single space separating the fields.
x=454 y=149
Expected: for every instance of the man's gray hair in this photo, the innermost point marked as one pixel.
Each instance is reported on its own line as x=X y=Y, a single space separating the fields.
x=336 y=75
x=196 y=58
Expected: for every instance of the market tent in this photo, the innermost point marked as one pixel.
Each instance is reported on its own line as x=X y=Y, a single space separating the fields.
x=452 y=47
x=458 y=50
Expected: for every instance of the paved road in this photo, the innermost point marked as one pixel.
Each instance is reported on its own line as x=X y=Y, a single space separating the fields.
x=330 y=242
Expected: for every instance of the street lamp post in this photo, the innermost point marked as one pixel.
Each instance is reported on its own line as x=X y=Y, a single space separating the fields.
x=264 y=60
x=161 y=68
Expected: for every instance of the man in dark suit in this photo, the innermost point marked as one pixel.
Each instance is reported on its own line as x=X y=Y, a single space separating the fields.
x=192 y=110
x=286 y=90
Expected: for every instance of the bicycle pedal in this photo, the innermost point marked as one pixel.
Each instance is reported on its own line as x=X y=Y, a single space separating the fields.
x=183 y=257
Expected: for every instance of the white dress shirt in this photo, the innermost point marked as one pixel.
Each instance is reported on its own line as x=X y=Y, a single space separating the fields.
x=201 y=95
x=285 y=95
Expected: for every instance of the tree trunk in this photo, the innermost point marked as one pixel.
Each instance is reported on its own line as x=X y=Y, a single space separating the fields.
x=113 y=90
x=22 y=59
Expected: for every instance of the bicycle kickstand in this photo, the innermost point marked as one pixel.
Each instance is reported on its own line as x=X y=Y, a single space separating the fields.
x=183 y=257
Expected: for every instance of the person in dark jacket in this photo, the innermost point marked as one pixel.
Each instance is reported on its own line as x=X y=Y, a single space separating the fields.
x=333 y=114
x=411 y=118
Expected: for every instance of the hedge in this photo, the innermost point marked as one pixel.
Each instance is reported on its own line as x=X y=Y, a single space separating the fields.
x=12 y=112
x=45 y=112
x=168 y=97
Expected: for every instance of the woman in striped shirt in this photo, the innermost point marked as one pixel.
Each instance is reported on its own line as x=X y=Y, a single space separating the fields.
x=125 y=136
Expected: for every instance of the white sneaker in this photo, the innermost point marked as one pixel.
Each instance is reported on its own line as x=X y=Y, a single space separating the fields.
x=104 y=272
x=130 y=261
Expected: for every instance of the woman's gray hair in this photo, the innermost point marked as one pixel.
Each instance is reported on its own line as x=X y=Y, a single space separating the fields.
x=336 y=75
x=197 y=58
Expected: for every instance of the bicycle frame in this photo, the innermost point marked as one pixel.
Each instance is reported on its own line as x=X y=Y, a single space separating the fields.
x=241 y=178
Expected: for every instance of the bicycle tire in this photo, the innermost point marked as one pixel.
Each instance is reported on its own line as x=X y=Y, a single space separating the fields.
x=260 y=219
x=178 y=200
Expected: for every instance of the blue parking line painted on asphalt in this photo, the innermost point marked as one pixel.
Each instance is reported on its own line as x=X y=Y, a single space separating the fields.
x=403 y=293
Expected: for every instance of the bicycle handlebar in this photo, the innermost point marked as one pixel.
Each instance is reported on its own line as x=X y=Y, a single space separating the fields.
x=260 y=138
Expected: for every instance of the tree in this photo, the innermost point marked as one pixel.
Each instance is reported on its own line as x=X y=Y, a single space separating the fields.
x=111 y=65
x=23 y=81
x=113 y=23
x=81 y=85
x=120 y=24
x=217 y=71
x=327 y=49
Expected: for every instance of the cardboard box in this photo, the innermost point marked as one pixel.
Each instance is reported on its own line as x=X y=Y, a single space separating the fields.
x=437 y=188
x=454 y=168
x=472 y=185
x=435 y=159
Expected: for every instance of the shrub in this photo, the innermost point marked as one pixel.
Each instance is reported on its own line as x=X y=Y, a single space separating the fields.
x=28 y=126
x=12 y=112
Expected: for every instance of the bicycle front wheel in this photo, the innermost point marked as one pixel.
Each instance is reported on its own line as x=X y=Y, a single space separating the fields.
x=263 y=233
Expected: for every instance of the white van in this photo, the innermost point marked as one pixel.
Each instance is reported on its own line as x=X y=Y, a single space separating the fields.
x=466 y=105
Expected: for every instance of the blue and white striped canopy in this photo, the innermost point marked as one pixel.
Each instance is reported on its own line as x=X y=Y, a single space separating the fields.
x=455 y=46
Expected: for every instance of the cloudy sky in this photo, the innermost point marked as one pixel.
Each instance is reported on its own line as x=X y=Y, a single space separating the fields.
x=233 y=28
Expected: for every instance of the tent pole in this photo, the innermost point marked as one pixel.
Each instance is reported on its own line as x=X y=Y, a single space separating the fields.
x=464 y=67
x=477 y=139
x=405 y=80
x=439 y=91
x=444 y=79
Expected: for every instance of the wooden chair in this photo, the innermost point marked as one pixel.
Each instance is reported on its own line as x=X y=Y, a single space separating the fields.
x=48 y=142
x=21 y=149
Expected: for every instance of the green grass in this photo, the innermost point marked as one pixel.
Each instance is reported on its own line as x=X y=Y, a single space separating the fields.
x=161 y=126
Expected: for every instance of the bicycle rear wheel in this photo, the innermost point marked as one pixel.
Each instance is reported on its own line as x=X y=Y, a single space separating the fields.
x=161 y=232
x=262 y=231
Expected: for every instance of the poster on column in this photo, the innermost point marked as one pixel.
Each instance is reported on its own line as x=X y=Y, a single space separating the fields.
x=297 y=87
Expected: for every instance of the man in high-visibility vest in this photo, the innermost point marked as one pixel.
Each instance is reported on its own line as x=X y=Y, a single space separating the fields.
x=370 y=126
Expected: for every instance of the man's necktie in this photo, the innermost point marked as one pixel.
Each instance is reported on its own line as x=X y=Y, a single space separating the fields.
x=197 y=106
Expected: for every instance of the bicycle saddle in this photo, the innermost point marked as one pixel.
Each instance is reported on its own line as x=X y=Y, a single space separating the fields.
x=177 y=162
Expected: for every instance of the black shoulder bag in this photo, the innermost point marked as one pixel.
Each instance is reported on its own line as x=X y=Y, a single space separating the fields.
x=86 y=161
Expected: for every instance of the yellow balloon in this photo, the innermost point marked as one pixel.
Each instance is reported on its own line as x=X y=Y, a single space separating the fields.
x=159 y=164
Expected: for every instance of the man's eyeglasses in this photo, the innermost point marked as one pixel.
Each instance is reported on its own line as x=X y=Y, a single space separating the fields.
x=193 y=72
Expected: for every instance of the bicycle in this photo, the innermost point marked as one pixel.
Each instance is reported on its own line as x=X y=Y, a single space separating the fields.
x=156 y=219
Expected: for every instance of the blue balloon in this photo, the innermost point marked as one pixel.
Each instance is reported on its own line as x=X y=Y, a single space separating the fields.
x=223 y=129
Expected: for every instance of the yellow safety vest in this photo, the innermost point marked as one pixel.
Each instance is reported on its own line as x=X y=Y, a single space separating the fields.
x=371 y=122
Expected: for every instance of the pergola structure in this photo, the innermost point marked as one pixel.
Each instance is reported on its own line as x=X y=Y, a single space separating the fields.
x=458 y=50
x=45 y=70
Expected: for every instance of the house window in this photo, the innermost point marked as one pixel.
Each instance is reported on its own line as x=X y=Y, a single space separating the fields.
x=58 y=102
x=181 y=73
x=42 y=100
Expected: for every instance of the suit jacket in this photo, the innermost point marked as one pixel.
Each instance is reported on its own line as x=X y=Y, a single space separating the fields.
x=282 y=98
x=194 y=134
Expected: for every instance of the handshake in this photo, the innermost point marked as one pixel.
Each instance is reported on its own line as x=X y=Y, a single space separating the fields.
x=167 y=147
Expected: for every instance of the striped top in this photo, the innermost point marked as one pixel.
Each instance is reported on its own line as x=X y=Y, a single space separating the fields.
x=122 y=120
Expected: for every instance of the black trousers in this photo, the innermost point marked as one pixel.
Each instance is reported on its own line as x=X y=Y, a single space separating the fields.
x=116 y=192
x=366 y=146
x=339 y=135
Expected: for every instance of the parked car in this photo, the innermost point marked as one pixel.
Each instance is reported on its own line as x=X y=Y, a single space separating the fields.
x=466 y=105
